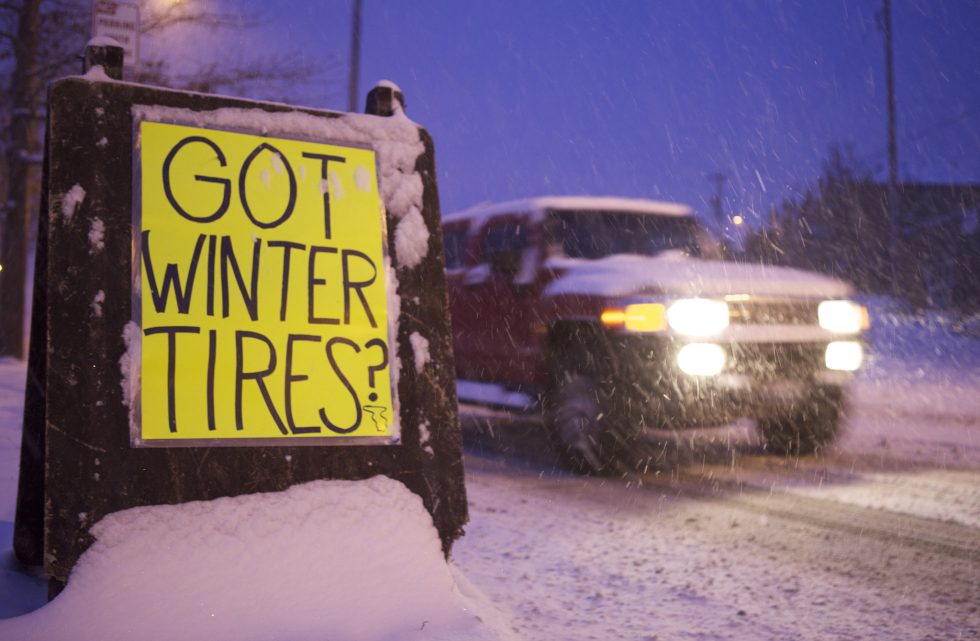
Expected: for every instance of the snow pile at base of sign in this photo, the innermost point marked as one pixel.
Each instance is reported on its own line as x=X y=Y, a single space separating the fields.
x=337 y=560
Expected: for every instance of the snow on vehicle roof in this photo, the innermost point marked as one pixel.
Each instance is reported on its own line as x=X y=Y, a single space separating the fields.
x=672 y=273
x=538 y=206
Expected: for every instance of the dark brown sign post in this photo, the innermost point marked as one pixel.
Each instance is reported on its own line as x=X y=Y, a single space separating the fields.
x=231 y=297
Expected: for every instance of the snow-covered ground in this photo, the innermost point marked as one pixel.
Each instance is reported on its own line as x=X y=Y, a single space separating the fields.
x=920 y=364
x=569 y=558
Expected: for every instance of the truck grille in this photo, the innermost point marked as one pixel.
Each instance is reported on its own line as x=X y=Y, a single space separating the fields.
x=766 y=361
x=769 y=312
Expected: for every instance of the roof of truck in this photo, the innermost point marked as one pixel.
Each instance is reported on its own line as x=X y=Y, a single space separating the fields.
x=581 y=203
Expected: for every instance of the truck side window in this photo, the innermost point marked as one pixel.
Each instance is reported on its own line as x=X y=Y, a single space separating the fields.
x=503 y=245
x=454 y=247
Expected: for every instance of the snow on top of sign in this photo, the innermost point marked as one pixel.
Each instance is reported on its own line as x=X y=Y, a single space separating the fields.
x=625 y=275
x=362 y=178
x=96 y=236
x=298 y=564
x=411 y=239
x=71 y=201
x=129 y=366
x=103 y=41
x=336 y=186
x=424 y=438
x=277 y=164
x=396 y=140
x=420 y=349
x=97 y=303
x=394 y=316
x=97 y=73
x=387 y=84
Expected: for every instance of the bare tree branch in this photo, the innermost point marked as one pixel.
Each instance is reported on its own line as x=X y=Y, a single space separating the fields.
x=267 y=79
x=59 y=37
x=173 y=15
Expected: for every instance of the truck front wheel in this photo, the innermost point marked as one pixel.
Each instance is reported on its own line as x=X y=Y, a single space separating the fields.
x=805 y=428
x=575 y=418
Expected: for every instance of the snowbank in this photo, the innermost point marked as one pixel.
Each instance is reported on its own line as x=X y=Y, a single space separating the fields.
x=919 y=364
x=337 y=560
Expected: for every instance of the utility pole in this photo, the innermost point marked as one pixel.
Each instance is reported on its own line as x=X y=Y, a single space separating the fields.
x=892 y=146
x=719 y=179
x=355 y=58
x=22 y=145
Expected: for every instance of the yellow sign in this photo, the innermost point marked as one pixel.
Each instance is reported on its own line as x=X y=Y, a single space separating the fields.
x=263 y=302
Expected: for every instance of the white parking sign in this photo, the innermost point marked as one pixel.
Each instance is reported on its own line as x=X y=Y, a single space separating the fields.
x=121 y=22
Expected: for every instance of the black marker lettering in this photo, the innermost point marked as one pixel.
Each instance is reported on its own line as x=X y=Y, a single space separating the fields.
x=212 y=251
x=287 y=248
x=224 y=182
x=312 y=282
x=290 y=204
x=170 y=277
x=212 y=358
x=171 y=333
x=291 y=378
x=357 y=285
x=251 y=299
x=324 y=160
x=259 y=377
x=343 y=379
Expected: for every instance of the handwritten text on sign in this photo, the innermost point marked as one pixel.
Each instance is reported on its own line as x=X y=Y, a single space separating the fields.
x=263 y=295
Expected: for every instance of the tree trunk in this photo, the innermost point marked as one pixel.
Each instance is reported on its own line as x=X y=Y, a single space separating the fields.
x=23 y=147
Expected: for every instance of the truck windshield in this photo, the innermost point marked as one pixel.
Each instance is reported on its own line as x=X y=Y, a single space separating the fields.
x=596 y=234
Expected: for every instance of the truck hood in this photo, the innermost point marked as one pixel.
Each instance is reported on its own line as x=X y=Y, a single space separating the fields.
x=677 y=275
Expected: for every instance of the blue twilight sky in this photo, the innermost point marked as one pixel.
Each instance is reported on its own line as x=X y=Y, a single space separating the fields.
x=646 y=98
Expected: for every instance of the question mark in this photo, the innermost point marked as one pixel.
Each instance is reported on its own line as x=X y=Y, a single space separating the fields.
x=376 y=368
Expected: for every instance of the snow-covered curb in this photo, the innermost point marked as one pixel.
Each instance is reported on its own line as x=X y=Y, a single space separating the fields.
x=354 y=560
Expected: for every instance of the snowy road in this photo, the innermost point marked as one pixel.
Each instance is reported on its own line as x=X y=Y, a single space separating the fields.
x=878 y=540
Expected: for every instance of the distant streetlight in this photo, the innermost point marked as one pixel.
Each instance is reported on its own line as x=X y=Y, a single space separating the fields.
x=737 y=220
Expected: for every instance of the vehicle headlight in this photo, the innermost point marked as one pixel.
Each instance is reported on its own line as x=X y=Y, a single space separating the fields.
x=698 y=317
x=701 y=359
x=844 y=356
x=842 y=316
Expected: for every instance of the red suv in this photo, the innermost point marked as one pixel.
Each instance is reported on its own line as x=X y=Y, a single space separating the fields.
x=618 y=314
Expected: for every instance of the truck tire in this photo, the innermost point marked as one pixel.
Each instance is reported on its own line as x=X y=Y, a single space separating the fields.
x=806 y=428
x=574 y=417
